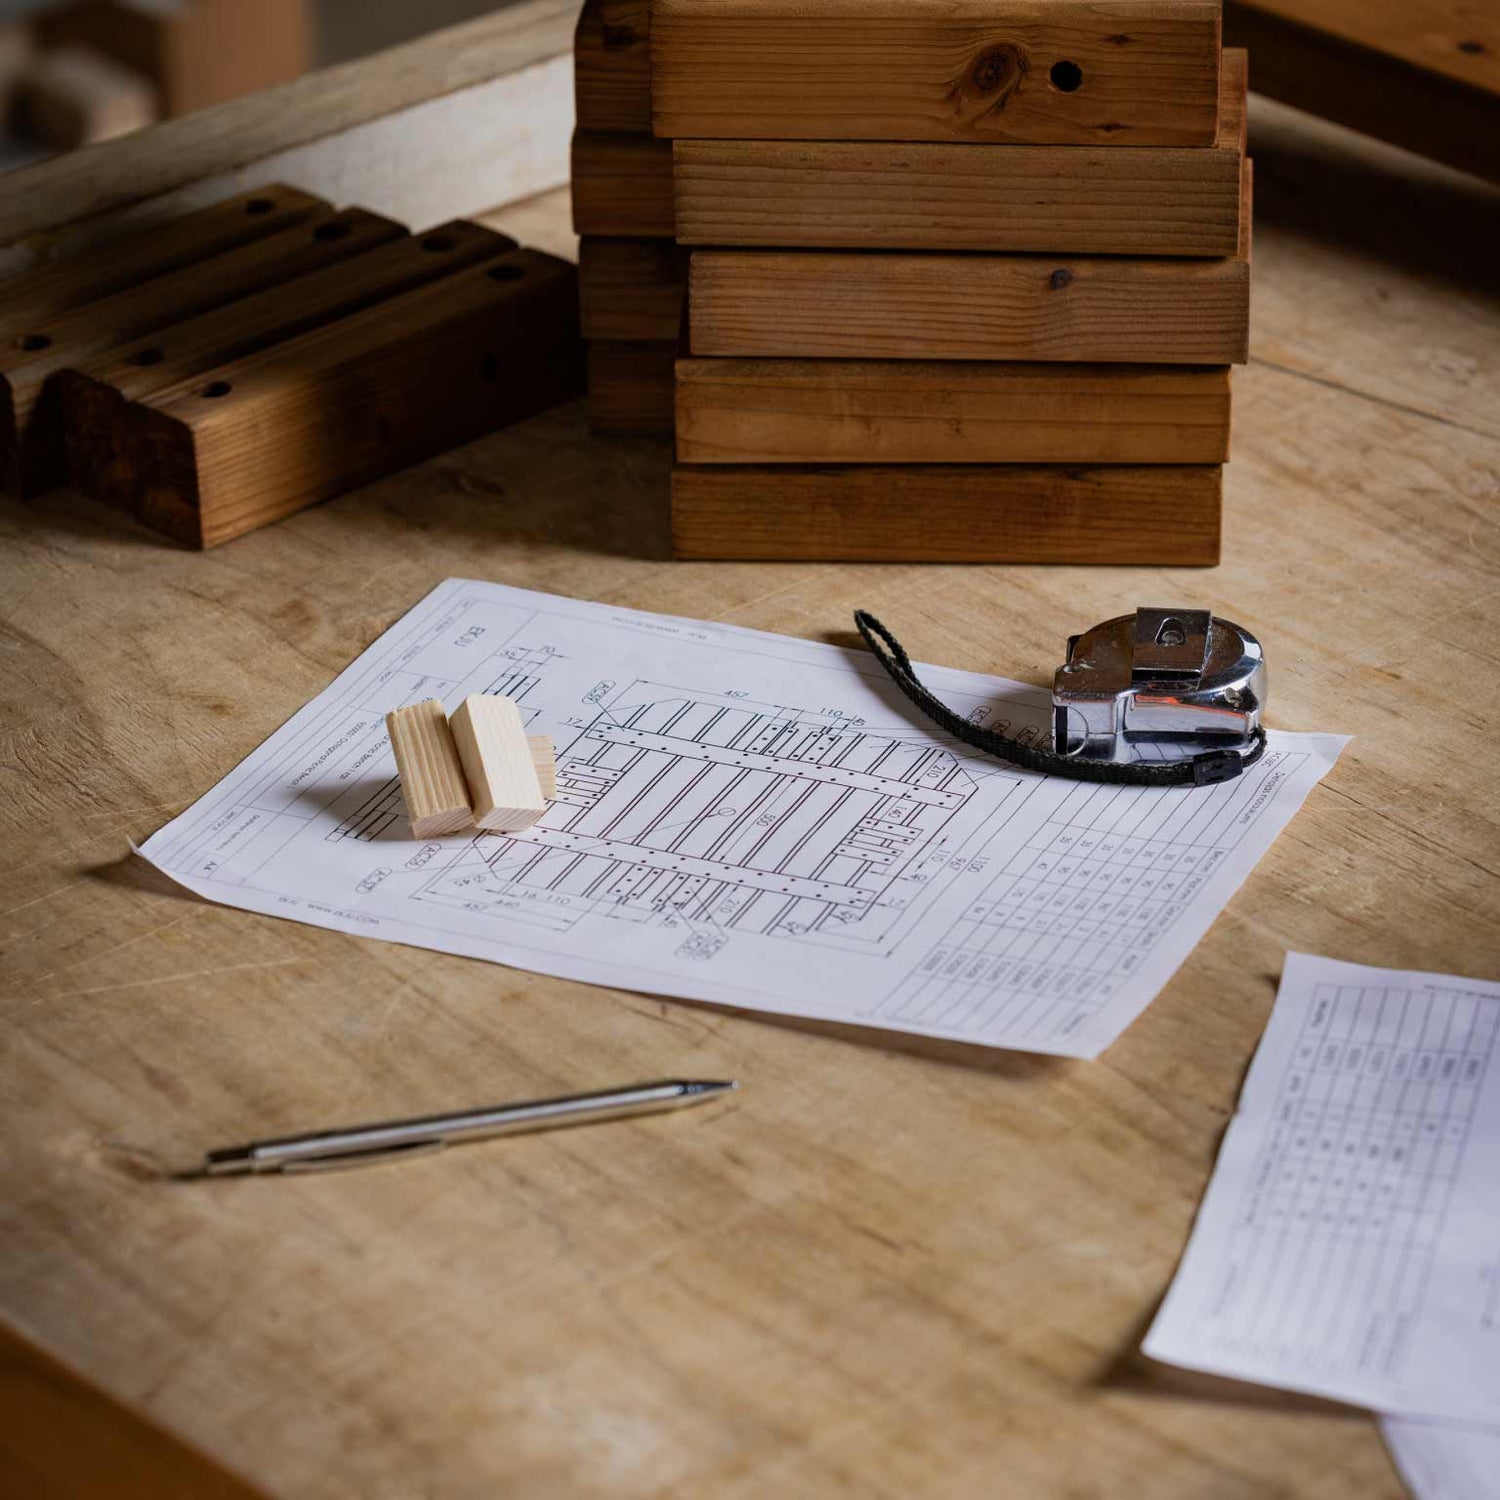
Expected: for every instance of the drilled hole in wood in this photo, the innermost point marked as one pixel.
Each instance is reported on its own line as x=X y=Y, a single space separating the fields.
x=144 y=357
x=334 y=230
x=259 y=206
x=31 y=342
x=507 y=273
x=217 y=388
x=1066 y=76
x=438 y=242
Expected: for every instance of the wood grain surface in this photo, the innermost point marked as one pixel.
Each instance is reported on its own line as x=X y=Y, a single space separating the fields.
x=1155 y=200
x=887 y=1268
x=611 y=74
x=631 y=289
x=630 y=386
x=887 y=411
x=1072 y=72
x=622 y=185
x=830 y=304
x=948 y=513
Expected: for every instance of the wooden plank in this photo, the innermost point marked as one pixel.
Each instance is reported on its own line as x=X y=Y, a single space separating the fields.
x=63 y=1439
x=265 y=436
x=433 y=788
x=94 y=274
x=1004 y=513
x=1072 y=72
x=1423 y=74
x=631 y=289
x=94 y=394
x=497 y=763
x=826 y=304
x=195 y=54
x=630 y=388
x=1155 y=200
x=75 y=96
x=31 y=433
x=612 y=74
x=447 y=126
x=788 y=411
x=622 y=185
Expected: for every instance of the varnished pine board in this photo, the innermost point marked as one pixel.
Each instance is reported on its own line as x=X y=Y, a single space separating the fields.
x=1006 y=513
x=831 y=411
x=882 y=305
x=630 y=387
x=622 y=185
x=252 y=441
x=1071 y=72
x=94 y=394
x=631 y=289
x=1155 y=200
x=611 y=74
x=1423 y=74
x=31 y=432
x=140 y=256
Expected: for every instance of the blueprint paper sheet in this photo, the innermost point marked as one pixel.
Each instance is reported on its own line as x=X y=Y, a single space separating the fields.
x=1444 y=1463
x=742 y=818
x=1349 y=1243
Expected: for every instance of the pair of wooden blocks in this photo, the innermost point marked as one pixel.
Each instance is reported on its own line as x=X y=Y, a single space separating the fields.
x=246 y=360
x=1012 y=237
x=478 y=769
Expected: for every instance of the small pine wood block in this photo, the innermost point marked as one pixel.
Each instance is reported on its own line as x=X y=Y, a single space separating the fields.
x=1005 y=513
x=544 y=763
x=498 y=765
x=631 y=289
x=622 y=185
x=32 y=448
x=75 y=96
x=790 y=411
x=611 y=74
x=158 y=251
x=630 y=388
x=249 y=442
x=828 y=304
x=1155 y=200
x=1068 y=72
x=432 y=777
x=96 y=394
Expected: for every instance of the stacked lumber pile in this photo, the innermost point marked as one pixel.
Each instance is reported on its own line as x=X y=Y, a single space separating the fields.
x=234 y=365
x=965 y=279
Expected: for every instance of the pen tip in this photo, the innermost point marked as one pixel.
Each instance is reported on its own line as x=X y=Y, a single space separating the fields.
x=710 y=1086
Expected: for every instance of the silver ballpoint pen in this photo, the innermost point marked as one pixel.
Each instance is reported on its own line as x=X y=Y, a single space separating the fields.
x=393 y=1140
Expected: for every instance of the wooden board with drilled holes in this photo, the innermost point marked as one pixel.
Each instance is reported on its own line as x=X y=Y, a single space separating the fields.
x=1155 y=200
x=611 y=74
x=1072 y=72
x=94 y=395
x=833 y=411
x=32 y=447
x=630 y=387
x=261 y=438
x=622 y=185
x=830 y=304
x=140 y=256
x=631 y=289
x=1002 y=513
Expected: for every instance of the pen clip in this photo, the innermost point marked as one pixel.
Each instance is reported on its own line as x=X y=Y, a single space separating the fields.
x=342 y=1159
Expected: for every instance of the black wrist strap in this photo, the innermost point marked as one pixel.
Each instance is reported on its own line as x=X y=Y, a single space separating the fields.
x=1199 y=770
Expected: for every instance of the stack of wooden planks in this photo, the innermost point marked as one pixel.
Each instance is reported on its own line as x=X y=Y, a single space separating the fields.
x=965 y=280
x=234 y=365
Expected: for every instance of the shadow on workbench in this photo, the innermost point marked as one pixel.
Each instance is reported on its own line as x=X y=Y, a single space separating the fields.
x=1330 y=184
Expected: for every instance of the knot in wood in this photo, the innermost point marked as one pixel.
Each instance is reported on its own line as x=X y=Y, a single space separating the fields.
x=1059 y=278
x=997 y=72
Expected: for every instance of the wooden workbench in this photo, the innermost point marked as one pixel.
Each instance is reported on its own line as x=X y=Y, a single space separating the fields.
x=889 y=1267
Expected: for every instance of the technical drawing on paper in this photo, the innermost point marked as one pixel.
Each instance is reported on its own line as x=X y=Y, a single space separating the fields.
x=738 y=816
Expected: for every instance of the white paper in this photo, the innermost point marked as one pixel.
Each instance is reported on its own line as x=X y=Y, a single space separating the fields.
x=1349 y=1243
x=743 y=818
x=1439 y=1462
